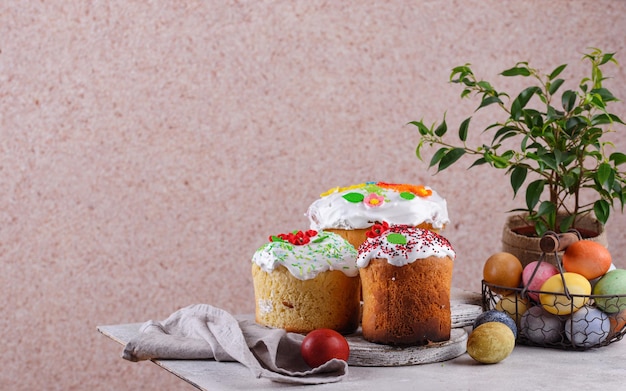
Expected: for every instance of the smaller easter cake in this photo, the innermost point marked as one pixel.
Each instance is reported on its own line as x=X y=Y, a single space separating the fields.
x=406 y=273
x=351 y=211
x=305 y=281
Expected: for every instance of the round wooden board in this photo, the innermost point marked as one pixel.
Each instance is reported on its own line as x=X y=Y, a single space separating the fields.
x=367 y=354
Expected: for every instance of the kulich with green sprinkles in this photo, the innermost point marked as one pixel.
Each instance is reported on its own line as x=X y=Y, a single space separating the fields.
x=305 y=280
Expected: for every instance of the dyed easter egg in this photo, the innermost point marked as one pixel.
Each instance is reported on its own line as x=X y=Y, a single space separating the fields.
x=540 y=326
x=587 y=258
x=587 y=327
x=612 y=283
x=558 y=303
x=495 y=316
x=490 y=342
x=535 y=274
x=503 y=269
x=513 y=305
x=618 y=322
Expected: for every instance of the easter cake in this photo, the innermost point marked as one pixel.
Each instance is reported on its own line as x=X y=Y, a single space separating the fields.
x=305 y=281
x=351 y=211
x=406 y=277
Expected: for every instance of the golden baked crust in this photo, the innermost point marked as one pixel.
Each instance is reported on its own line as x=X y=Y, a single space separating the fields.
x=330 y=300
x=407 y=305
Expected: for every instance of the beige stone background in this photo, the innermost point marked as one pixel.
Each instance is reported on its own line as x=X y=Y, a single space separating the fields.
x=148 y=148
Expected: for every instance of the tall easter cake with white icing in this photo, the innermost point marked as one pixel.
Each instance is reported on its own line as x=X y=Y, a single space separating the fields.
x=305 y=281
x=351 y=211
x=406 y=276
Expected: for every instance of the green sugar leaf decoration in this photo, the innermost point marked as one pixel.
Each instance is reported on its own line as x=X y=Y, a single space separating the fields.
x=395 y=238
x=277 y=239
x=354 y=197
x=320 y=238
x=407 y=195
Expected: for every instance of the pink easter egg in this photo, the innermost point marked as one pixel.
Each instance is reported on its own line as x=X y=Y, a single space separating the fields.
x=544 y=271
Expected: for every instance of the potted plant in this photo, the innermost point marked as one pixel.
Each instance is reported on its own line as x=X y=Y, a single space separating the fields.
x=549 y=142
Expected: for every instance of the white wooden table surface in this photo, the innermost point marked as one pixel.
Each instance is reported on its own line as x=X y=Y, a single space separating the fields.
x=527 y=368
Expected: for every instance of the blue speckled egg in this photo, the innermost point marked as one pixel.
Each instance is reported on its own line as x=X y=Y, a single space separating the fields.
x=587 y=327
x=496 y=316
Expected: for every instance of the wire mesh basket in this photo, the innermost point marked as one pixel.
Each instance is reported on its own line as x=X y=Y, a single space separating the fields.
x=566 y=319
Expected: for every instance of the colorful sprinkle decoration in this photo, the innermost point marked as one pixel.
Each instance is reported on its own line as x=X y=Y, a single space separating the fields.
x=407 y=191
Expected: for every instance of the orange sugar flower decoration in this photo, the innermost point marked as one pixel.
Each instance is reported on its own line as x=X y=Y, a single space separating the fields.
x=418 y=190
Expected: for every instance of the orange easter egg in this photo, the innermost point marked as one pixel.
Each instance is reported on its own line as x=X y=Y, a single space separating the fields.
x=589 y=259
x=503 y=269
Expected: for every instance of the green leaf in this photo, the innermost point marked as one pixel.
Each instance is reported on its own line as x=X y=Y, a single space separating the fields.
x=606 y=58
x=566 y=223
x=442 y=128
x=540 y=227
x=463 y=129
x=605 y=118
x=437 y=156
x=573 y=125
x=485 y=85
x=488 y=100
x=533 y=193
x=422 y=129
x=602 y=210
x=450 y=157
x=546 y=208
x=605 y=175
x=516 y=71
x=418 y=149
x=478 y=162
x=554 y=86
x=504 y=133
x=354 y=197
x=568 y=100
x=557 y=71
x=606 y=95
x=525 y=96
x=570 y=180
x=617 y=158
x=518 y=176
x=396 y=238
x=549 y=160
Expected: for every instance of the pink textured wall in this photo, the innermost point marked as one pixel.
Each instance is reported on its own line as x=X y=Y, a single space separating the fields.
x=148 y=148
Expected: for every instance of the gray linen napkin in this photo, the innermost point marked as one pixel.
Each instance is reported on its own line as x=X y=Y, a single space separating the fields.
x=201 y=331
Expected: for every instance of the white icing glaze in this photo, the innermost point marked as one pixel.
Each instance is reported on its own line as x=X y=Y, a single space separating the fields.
x=308 y=260
x=334 y=211
x=420 y=244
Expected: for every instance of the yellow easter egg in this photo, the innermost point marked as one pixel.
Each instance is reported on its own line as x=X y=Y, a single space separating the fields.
x=555 y=301
x=490 y=342
x=513 y=305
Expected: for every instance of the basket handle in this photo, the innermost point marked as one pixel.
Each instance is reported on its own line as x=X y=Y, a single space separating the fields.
x=552 y=242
